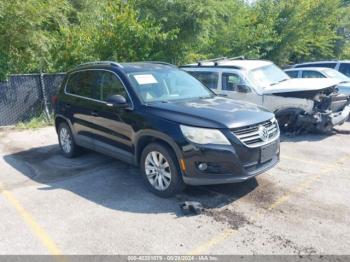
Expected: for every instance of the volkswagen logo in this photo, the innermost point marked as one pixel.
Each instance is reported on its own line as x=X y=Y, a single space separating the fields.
x=263 y=133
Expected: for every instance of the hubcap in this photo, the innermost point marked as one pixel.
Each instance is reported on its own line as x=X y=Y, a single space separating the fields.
x=158 y=170
x=66 y=140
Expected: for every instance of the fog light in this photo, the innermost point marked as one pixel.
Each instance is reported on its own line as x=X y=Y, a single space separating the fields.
x=202 y=166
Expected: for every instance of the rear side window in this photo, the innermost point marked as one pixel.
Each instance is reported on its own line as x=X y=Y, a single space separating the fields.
x=312 y=74
x=110 y=85
x=292 y=74
x=82 y=84
x=209 y=79
x=345 y=69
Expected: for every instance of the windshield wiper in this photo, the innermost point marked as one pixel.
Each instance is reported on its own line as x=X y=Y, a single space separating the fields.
x=279 y=82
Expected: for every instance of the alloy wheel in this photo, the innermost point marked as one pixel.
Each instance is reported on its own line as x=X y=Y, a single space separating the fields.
x=157 y=170
x=66 y=140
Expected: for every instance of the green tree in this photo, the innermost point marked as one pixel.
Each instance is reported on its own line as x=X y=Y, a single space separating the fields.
x=25 y=29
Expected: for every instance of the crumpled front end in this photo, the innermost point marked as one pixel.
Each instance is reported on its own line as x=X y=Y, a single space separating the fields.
x=330 y=109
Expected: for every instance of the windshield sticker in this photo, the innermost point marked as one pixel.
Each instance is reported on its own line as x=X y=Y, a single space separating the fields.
x=145 y=79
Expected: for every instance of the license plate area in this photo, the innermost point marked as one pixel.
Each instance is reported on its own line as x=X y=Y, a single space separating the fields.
x=268 y=152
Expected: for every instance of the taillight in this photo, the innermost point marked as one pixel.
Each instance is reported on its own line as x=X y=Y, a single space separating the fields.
x=53 y=101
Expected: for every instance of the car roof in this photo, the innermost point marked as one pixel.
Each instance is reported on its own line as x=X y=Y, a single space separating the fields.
x=309 y=68
x=125 y=67
x=324 y=61
x=239 y=64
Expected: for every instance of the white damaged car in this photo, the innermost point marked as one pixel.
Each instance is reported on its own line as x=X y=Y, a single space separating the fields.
x=300 y=105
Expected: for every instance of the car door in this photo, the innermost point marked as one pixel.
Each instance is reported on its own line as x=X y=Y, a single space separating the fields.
x=79 y=102
x=234 y=86
x=113 y=132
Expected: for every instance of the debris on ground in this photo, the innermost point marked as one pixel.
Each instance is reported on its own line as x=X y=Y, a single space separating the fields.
x=191 y=208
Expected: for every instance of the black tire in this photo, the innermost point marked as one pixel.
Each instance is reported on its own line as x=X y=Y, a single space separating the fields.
x=176 y=183
x=74 y=149
x=287 y=122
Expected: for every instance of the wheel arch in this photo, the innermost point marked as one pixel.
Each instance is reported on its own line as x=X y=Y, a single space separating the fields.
x=60 y=119
x=288 y=110
x=151 y=136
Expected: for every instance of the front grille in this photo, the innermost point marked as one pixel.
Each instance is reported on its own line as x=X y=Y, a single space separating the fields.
x=252 y=135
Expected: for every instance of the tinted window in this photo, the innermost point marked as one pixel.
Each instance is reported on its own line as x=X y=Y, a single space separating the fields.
x=345 y=69
x=328 y=65
x=209 y=79
x=110 y=85
x=82 y=83
x=232 y=82
x=292 y=74
x=312 y=74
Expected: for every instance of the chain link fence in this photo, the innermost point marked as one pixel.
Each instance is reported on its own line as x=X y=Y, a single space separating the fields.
x=25 y=96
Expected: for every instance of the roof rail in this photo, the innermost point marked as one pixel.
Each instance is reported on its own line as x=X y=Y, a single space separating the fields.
x=241 y=57
x=218 y=59
x=211 y=66
x=161 y=63
x=101 y=63
x=211 y=60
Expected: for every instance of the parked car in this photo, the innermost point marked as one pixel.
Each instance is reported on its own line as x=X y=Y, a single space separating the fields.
x=343 y=66
x=162 y=119
x=299 y=104
x=322 y=72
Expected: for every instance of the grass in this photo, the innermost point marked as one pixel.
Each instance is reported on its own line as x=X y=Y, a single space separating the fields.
x=36 y=122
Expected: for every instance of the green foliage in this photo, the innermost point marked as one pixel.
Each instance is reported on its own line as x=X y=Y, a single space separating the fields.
x=36 y=122
x=51 y=36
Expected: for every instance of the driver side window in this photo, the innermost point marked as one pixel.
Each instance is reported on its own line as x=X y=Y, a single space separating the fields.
x=234 y=82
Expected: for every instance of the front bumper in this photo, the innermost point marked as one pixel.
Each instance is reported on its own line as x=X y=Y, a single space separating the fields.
x=340 y=117
x=226 y=164
x=323 y=122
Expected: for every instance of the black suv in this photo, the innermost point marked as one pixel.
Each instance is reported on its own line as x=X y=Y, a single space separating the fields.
x=154 y=115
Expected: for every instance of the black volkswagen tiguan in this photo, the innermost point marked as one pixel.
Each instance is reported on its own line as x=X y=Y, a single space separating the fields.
x=158 y=117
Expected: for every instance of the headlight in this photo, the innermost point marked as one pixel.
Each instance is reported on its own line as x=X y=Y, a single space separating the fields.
x=204 y=135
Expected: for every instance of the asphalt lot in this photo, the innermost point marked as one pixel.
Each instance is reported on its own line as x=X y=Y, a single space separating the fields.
x=98 y=205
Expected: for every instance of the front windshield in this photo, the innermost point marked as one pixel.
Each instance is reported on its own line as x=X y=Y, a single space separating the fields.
x=267 y=76
x=335 y=74
x=166 y=85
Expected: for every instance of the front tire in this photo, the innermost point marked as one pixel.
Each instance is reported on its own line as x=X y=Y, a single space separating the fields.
x=65 y=137
x=160 y=170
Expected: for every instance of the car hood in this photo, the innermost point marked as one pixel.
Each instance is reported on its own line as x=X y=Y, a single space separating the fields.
x=344 y=84
x=217 y=112
x=301 y=84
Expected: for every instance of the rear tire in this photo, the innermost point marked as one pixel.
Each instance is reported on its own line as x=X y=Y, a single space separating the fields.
x=160 y=170
x=66 y=140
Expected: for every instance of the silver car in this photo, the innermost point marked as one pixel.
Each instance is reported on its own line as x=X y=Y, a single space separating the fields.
x=322 y=72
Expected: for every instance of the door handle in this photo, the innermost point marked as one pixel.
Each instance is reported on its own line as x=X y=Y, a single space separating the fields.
x=94 y=113
x=68 y=105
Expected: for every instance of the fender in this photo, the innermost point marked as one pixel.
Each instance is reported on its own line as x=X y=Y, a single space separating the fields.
x=67 y=120
x=157 y=135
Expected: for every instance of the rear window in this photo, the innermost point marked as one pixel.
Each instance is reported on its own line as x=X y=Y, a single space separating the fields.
x=209 y=79
x=345 y=69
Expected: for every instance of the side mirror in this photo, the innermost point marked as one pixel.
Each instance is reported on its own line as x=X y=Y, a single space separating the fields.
x=117 y=101
x=243 y=88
